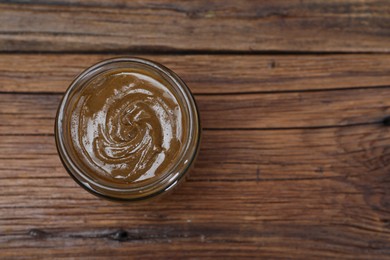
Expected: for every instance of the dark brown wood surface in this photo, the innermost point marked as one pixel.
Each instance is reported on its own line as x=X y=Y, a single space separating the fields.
x=283 y=25
x=294 y=102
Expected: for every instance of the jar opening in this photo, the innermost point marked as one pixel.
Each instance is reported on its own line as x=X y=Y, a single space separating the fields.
x=137 y=123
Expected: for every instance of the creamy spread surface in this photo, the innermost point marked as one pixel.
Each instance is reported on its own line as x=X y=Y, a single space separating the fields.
x=127 y=126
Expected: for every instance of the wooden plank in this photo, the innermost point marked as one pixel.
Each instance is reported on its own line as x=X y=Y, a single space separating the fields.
x=321 y=26
x=317 y=190
x=255 y=156
x=210 y=73
x=294 y=159
x=34 y=114
x=325 y=218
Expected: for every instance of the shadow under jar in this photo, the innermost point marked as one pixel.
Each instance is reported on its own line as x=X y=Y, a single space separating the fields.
x=127 y=129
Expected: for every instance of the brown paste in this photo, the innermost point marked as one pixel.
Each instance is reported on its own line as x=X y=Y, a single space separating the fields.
x=127 y=126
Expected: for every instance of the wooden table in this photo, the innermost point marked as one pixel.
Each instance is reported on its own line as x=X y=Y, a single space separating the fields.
x=294 y=101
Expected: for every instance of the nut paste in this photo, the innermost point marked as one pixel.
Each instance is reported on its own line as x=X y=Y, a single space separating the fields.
x=127 y=126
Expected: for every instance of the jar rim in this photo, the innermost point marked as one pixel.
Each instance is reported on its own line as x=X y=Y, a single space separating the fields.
x=156 y=186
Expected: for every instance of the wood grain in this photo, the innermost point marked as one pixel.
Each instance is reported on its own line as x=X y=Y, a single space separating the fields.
x=340 y=211
x=237 y=155
x=295 y=156
x=230 y=73
x=320 y=26
x=34 y=114
x=318 y=193
x=316 y=186
x=314 y=219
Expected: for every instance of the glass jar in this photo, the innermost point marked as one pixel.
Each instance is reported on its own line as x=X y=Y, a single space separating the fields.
x=89 y=178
